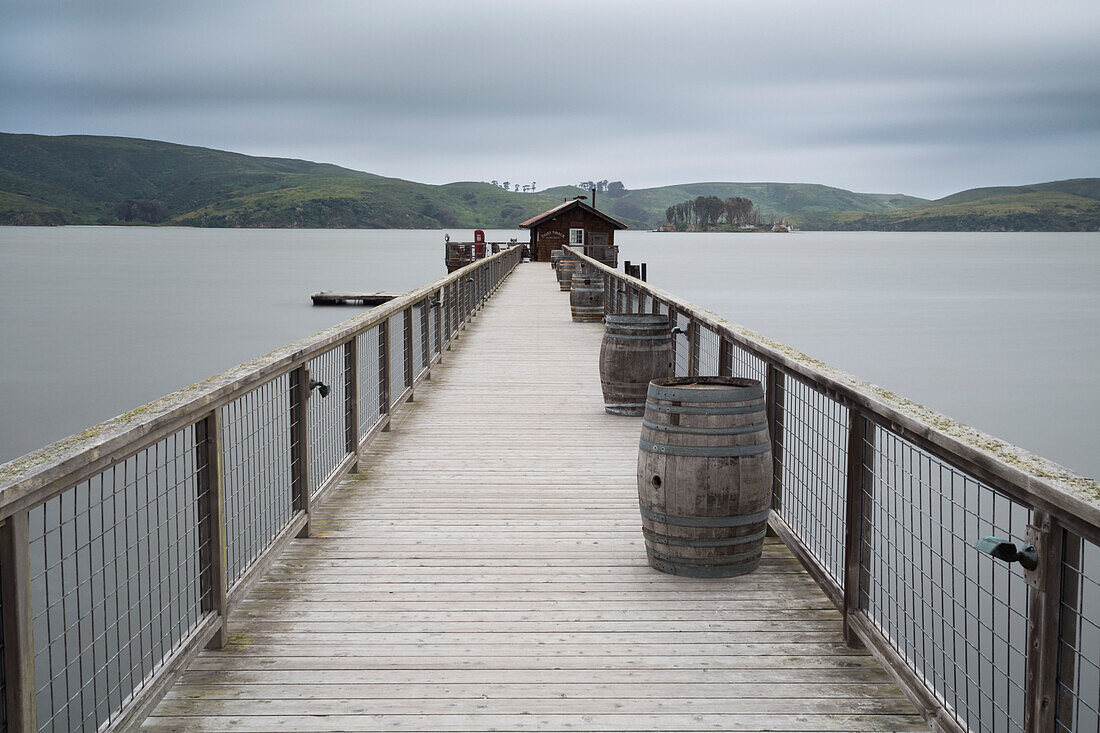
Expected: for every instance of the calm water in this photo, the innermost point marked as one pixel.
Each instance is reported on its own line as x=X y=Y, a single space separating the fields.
x=1001 y=331
x=96 y=321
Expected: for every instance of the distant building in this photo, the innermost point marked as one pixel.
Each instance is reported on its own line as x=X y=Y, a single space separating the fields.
x=578 y=225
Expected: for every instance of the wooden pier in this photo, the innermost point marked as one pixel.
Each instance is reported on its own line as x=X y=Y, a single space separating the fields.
x=445 y=535
x=486 y=571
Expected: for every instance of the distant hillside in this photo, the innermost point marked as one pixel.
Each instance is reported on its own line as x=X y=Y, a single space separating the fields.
x=83 y=179
x=647 y=206
x=1070 y=205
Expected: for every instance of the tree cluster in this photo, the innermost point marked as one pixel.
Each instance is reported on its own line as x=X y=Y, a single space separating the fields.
x=507 y=186
x=707 y=212
x=613 y=188
x=145 y=210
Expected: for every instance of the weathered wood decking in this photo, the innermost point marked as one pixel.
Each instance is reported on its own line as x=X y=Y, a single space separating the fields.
x=486 y=572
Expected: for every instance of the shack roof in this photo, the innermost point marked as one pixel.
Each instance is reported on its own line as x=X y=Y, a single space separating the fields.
x=534 y=221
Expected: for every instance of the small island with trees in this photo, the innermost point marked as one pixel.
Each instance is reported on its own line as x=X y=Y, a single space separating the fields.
x=713 y=214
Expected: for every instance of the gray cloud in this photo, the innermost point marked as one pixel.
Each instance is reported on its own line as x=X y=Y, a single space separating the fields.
x=923 y=98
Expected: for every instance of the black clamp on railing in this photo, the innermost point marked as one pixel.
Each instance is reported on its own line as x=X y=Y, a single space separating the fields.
x=316 y=384
x=1004 y=550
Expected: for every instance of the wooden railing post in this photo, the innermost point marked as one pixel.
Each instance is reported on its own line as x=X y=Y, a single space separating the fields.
x=775 y=401
x=693 y=347
x=384 y=373
x=299 y=443
x=212 y=544
x=18 y=619
x=351 y=401
x=725 y=357
x=1043 y=622
x=857 y=513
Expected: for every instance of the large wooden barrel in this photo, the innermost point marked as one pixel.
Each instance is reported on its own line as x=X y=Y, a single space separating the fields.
x=566 y=267
x=586 y=297
x=636 y=349
x=705 y=476
x=555 y=257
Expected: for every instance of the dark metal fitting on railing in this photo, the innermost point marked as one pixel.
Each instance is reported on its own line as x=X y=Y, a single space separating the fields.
x=436 y=303
x=677 y=330
x=316 y=384
x=1002 y=549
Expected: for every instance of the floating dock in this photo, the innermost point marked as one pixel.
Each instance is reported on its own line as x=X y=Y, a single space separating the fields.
x=372 y=299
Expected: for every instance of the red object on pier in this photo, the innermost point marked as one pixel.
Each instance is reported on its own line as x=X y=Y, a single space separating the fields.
x=479 y=243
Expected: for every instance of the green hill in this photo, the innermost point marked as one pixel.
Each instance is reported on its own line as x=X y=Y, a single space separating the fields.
x=1070 y=205
x=83 y=179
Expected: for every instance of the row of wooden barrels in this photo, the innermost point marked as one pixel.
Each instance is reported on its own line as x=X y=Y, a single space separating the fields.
x=705 y=456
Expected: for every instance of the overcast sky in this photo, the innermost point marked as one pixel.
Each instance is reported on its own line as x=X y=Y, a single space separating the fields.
x=924 y=98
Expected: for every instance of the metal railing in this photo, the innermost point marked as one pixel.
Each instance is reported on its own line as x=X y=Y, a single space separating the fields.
x=882 y=499
x=124 y=548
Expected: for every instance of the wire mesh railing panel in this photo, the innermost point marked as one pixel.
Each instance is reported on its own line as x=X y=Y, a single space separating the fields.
x=709 y=352
x=957 y=617
x=327 y=416
x=681 y=344
x=256 y=471
x=744 y=364
x=433 y=331
x=396 y=326
x=367 y=345
x=813 y=466
x=115 y=581
x=444 y=312
x=417 y=335
x=1078 y=698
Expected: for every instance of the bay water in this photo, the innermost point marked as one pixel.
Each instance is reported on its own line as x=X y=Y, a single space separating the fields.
x=998 y=330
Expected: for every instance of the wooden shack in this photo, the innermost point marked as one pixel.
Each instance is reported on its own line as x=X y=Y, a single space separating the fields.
x=575 y=224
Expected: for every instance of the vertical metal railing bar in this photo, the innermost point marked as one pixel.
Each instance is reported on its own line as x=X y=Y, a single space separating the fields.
x=1067 y=706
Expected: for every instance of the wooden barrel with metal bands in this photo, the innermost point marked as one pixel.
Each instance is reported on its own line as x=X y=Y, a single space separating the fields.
x=636 y=349
x=586 y=297
x=566 y=267
x=704 y=475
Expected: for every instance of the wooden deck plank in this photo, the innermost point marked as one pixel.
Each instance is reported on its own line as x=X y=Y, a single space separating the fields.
x=486 y=571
